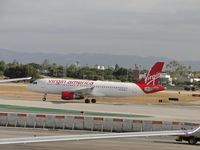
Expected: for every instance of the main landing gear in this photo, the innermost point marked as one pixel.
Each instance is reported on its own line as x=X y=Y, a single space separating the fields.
x=87 y=100
x=45 y=97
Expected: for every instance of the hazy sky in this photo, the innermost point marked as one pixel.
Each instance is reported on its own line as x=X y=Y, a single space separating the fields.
x=169 y=28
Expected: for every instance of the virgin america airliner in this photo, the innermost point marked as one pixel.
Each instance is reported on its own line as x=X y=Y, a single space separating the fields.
x=70 y=89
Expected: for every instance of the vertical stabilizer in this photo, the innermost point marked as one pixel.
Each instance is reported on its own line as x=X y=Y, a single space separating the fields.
x=153 y=75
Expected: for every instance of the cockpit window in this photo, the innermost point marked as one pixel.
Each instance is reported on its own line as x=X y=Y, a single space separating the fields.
x=34 y=82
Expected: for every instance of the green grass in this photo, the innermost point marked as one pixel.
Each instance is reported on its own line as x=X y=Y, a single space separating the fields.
x=67 y=111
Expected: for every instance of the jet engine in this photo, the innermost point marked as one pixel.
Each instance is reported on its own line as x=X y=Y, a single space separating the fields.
x=67 y=95
x=70 y=96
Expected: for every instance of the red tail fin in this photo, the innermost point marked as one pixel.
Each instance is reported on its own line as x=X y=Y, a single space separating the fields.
x=153 y=75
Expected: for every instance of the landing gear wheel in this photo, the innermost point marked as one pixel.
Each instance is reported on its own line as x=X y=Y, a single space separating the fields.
x=45 y=97
x=87 y=101
x=93 y=100
x=192 y=141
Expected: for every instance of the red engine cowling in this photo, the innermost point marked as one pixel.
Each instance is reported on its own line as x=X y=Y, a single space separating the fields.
x=70 y=96
x=67 y=95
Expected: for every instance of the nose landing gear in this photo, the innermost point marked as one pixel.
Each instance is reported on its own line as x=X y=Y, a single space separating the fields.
x=45 y=97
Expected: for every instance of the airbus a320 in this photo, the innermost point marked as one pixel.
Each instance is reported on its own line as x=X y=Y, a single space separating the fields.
x=87 y=89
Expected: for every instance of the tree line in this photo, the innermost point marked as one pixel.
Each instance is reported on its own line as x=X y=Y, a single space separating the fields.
x=35 y=70
x=17 y=70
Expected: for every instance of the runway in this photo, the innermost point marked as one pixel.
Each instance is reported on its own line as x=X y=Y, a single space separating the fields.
x=156 y=111
x=161 y=143
x=171 y=112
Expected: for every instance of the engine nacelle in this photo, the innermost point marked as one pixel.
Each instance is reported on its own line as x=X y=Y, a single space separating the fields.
x=70 y=96
x=67 y=95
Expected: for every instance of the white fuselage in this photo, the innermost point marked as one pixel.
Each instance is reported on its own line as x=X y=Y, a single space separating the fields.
x=99 y=88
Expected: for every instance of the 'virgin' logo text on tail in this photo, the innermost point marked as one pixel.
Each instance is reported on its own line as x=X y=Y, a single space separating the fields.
x=152 y=78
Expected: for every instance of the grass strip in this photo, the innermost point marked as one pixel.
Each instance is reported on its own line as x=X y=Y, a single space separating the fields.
x=68 y=111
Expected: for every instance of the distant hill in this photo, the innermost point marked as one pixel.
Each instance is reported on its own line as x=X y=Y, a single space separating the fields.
x=90 y=59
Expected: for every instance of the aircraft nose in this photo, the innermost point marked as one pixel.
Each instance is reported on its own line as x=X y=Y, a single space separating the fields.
x=32 y=87
x=29 y=87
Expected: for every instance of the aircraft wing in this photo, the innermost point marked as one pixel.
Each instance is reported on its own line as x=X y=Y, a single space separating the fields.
x=83 y=91
x=36 y=139
x=16 y=79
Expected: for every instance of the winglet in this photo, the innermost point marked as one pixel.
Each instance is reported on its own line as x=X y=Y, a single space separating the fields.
x=194 y=130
